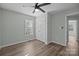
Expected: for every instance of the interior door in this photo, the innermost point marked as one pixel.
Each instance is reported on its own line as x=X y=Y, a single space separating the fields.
x=29 y=29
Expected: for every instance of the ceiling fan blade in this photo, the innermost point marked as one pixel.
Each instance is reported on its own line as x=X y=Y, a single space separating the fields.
x=34 y=11
x=41 y=10
x=36 y=4
x=44 y=4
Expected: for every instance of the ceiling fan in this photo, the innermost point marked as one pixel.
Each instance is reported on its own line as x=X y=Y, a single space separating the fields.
x=38 y=6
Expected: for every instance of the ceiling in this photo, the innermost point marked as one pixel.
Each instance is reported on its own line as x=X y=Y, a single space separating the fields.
x=26 y=8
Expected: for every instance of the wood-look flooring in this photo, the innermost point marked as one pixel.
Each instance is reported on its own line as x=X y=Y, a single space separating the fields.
x=72 y=48
x=33 y=48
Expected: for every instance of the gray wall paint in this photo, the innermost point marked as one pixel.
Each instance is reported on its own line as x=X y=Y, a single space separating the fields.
x=13 y=27
x=46 y=25
x=59 y=20
x=0 y=27
x=53 y=25
x=49 y=28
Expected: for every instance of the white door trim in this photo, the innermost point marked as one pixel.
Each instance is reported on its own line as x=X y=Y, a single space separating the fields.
x=66 y=25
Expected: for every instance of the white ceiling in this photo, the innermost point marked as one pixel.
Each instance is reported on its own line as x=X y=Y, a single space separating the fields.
x=27 y=9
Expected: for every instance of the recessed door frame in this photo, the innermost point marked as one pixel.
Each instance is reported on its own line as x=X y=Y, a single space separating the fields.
x=66 y=26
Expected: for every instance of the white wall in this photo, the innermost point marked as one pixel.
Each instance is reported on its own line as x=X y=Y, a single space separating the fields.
x=41 y=28
x=59 y=20
x=13 y=27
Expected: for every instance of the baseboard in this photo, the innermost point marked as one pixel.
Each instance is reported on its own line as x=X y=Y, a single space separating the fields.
x=27 y=40
x=16 y=43
x=12 y=44
x=58 y=43
x=42 y=41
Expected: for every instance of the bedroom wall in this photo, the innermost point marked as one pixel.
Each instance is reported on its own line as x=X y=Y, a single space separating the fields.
x=49 y=28
x=0 y=28
x=13 y=27
x=59 y=20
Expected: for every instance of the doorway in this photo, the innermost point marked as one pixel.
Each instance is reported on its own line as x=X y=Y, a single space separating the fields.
x=72 y=29
x=72 y=35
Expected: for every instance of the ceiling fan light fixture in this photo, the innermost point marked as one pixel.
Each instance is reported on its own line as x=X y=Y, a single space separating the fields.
x=36 y=10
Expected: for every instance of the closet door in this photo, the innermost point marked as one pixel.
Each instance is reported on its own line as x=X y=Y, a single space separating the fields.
x=29 y=29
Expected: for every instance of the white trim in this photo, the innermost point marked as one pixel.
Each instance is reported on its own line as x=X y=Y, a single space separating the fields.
x=66 y=37
x=66 y=25
x=12 y=44
x=17 y=43
x=74 y=13
x=58 y=43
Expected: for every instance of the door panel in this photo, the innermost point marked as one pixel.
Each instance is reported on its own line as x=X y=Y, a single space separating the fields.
x=29 y=29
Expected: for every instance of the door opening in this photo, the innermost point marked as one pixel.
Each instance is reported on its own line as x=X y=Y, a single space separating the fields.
x=72 y=33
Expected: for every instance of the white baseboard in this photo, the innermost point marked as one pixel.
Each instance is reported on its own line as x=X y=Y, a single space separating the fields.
x=12 y=43
x=25 y=41
x=59 y=43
